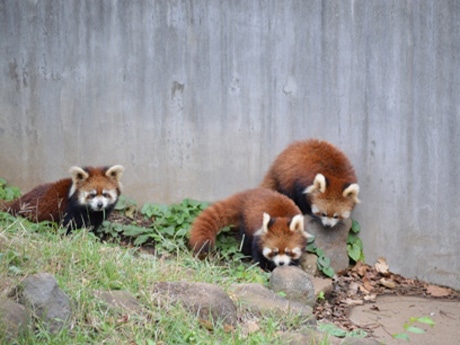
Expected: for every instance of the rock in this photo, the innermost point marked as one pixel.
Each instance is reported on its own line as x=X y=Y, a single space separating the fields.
x=323 y=285
x=259 y=300
x=14 y=319
x=295 y=283
x=308 y=263
x=199 y=298
x=42 y=295
x=332 y=241
x=120 y=300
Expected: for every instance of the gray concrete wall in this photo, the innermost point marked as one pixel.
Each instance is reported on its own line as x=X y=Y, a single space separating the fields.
x=196 y=98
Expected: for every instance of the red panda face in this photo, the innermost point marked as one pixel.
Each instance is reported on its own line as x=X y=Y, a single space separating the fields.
x=96 y=188
x=332 y=200
x=283 y=240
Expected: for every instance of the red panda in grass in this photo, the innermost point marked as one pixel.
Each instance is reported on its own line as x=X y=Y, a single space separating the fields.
x=84 y=200
x=271 y=227
x=318 y=177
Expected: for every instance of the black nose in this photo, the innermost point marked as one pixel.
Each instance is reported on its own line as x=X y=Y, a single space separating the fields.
x=99 y=204
x=281 y=263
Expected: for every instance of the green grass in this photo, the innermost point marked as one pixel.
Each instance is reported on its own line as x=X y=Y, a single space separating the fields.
x=82 y=263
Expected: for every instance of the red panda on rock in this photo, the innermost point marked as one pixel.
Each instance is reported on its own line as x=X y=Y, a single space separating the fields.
x=270 y=224
x=318 y=177
x=84 y=200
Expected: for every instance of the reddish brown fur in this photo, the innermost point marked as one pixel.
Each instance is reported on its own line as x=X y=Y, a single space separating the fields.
x=296 y=167
x=49 y=201
x=244 y=209
x=45 y=202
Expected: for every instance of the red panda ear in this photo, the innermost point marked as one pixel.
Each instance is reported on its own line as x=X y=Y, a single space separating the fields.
x=115 y=172
x=78 y=174
x=319 y=185
x=352 y=192
x=298 y=224
x=265 y=222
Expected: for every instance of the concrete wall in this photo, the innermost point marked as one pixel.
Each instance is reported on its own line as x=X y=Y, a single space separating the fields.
x=196 y=98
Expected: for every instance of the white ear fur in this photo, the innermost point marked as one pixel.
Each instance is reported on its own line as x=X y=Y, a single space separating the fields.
x=352 y=192
x=78 y=174
x=319 y=185
x=296 y=223
x=115 y=172
x=265 y=222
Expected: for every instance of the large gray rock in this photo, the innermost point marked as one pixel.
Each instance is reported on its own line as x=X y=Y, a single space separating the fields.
x=41 y=294
x=332 y=241
x=295 y=283
x=260 y=300
x=14 y=319
x=205 y=300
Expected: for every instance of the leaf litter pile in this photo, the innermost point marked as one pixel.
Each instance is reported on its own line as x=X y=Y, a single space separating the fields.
x=363 y=283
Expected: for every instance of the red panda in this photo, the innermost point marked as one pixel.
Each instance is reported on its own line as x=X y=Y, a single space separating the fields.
x=270 y=225
x=84 y=200
x=318 y=177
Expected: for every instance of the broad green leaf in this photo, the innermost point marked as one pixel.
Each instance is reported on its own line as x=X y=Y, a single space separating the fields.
x=141 y=239
x=414 y=329
x=401 y=336
x=354 y=251
x=425 y=319
x=328 y=271
x=355 y=227
x=324 y=261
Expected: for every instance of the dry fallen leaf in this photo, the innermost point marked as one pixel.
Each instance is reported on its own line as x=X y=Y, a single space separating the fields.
x=381 y=265
x=387 y=283
x=350 y=301
x=367 y=285
x=437 y=291
x=206 y=324
x=360 y=268
x=372 y=297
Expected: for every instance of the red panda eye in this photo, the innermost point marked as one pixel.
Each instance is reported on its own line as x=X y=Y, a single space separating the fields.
x=336 y=216
x=324 y=214
x=106 y=195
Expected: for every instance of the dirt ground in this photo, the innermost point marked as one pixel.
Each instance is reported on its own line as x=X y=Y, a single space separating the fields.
x=374 y=299
x=389 y=313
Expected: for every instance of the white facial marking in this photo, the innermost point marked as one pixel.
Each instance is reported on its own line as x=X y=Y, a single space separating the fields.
x=97 y=202
x=315 y=209
x=281 y=260
x=296 y=253
x=328 y=221
x=266 y=252
x=346 y=215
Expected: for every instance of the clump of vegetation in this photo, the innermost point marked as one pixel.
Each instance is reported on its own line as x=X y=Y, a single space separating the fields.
x=166 y=226
x=409 y=327
x=8 y=192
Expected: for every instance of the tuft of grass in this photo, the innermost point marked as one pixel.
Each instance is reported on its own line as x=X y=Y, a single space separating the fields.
x=82 y=263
